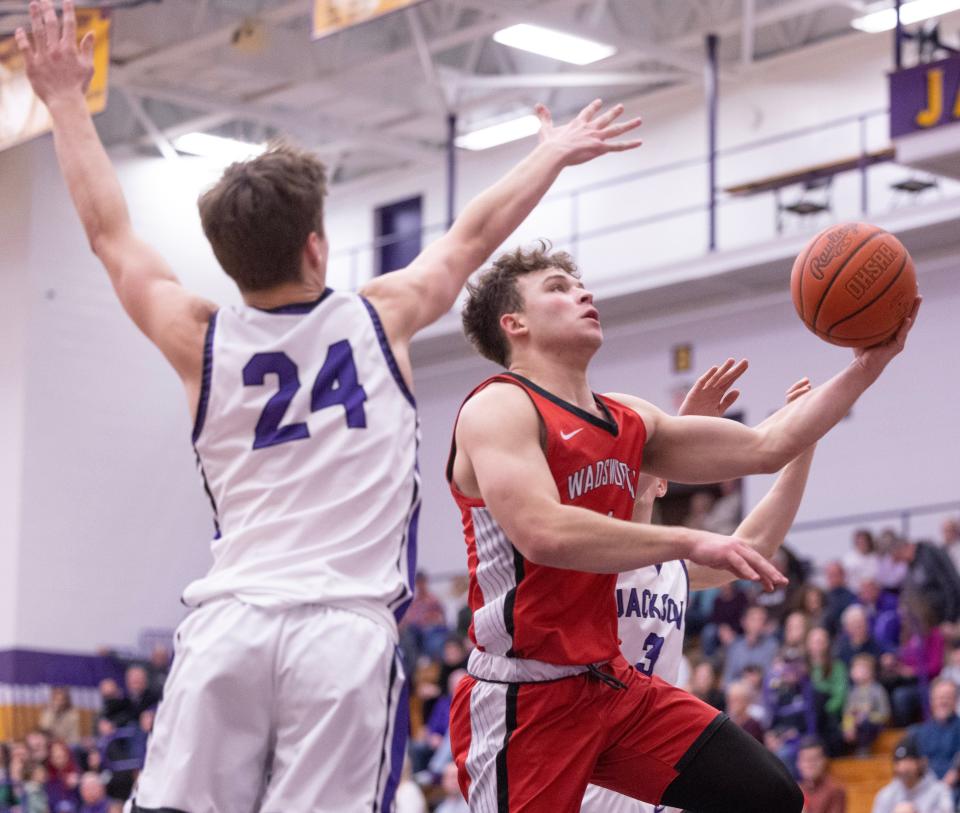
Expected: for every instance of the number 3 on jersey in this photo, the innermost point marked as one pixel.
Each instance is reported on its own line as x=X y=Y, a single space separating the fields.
x=651 y=651
x=336 y=385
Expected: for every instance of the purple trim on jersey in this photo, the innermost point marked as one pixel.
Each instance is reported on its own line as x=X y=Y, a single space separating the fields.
x=410 y=538
x=209 y=493
x=298 y=307
x=388 y=352
x=29 y=667
x=683 y=564
x=412 y=552
x=205 y=377
x=401 y=727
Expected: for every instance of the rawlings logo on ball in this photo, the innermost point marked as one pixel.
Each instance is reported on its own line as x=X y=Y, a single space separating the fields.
x=838 y=242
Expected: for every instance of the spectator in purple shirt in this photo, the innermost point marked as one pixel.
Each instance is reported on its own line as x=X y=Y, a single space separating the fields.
x=919 y=659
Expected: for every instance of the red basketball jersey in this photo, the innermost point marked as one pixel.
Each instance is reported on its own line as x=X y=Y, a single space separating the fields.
x=533 y=612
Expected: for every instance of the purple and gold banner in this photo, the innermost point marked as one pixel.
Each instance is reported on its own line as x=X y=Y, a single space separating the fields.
x=925 y=97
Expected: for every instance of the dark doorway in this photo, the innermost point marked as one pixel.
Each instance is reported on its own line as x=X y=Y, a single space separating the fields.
x=714 y=506
x=398 y=227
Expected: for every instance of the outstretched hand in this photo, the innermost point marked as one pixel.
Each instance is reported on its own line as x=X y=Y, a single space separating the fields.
x=874 y=359
x=55 y=63
x=589 y=134
x=735 y=556
x=711 y=395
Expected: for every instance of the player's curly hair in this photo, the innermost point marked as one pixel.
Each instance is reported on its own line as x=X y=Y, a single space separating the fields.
x=258 y=216
x=495 y=293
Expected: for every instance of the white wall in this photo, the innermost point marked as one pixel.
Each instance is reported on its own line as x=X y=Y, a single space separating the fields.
x=14 y=228
x=114 y=522
x=114 y=519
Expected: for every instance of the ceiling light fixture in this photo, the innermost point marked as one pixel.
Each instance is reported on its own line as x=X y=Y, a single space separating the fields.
x=554 y=44
x=884 y=18
x=208 y=145
x=497 y=134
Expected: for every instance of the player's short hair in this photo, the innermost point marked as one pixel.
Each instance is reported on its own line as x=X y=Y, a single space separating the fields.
x=260 y=213
x=495 y=293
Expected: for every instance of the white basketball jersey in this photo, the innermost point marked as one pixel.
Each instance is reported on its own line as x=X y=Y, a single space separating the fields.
x=652 y=611
x=306 y=436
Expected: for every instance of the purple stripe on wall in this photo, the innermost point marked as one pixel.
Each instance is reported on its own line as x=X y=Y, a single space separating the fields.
x=30 y=667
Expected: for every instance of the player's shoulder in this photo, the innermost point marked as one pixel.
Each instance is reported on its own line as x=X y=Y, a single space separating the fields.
x=647 y=411
x=497 y=397
x=631 y=401
x=499 y=406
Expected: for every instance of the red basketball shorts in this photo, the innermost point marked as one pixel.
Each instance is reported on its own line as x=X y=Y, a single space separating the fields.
x=532 y=747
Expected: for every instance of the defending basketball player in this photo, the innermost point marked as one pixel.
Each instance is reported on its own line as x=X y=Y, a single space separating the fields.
x=545 y=473
x=286 y=691
x=652 y=601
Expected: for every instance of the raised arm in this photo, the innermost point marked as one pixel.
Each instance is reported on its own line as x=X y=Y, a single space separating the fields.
x=499 y=457
x=171 y=317
x=420 y=294
x=766 y=526
x=694 y=449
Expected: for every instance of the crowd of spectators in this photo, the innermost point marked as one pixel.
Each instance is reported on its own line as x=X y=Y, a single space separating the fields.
x=814 y=671
x=866 y=642
x=61 y=768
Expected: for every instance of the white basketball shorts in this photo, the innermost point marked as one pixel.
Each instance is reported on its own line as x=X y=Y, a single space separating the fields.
x=279 y=711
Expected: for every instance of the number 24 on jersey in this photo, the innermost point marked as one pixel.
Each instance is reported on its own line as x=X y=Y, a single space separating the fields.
x=335 y=385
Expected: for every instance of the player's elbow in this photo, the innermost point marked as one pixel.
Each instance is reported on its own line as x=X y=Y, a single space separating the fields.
x=98 y=242
x=536 y=547
x=538 y=542
x=772 y=454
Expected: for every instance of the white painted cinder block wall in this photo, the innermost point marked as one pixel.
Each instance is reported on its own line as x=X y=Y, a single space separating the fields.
x=97 y=460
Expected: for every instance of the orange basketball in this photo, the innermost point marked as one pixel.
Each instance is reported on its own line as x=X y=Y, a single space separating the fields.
x=853 y=284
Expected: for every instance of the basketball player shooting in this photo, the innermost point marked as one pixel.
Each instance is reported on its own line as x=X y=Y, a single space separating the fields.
x=545 y=474
x=654 y=600
x=286 y=692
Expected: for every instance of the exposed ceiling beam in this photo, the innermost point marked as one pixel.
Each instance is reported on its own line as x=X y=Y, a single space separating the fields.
x=159 y=140
x=551 y=18
x=468 y=34
x=763 y=19
x=749 y=31
x=426 y=59
x=565 y=80
x=205 y=42
x=305 y=129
